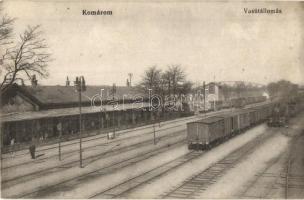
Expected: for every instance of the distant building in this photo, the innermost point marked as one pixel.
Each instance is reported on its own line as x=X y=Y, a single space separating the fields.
x=218 y=94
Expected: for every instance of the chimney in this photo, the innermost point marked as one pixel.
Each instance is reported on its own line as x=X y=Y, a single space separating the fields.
x=34 y=81
x=67 y=82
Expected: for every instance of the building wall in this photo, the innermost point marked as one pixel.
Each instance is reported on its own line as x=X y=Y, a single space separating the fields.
x=44 y=128
x=17 y=104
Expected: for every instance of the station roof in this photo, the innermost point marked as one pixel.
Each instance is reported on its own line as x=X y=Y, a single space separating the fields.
x=22 y=116
x=58 y=96
x=66 y=94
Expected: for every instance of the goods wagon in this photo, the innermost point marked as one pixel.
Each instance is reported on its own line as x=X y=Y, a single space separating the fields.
x=231 y=124
x=238 y=103
x=203 y=133
x=243 y=119
x=253 y=116
x=261 y=113
x=268 y=111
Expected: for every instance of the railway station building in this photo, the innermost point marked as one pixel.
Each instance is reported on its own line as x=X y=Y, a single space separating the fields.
x=34 y=112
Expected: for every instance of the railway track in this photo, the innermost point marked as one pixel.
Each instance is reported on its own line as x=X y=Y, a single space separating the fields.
x=45 y=191
x=273 y=181
x=70 y=152
x=276 y=177
x=294 y=186
x=278 y=180
x=51 y=169
x=193 y=186
x=119 y=191
x=101 y=136
x=287 y=179
x=9 y=183
x=106 y=143
x=122 y=190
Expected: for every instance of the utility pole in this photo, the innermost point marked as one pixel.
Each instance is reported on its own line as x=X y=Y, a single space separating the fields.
x=101 y=110
x=204 y=87
x=214 y=92
x=154 y=135
x=113 y=93
x=154 y=140
x=80 y=86
x=80 y=131
x=130 y=79
x=59 y=128
x=2 y=144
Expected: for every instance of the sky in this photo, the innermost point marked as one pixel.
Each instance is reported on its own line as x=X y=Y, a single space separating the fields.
x=210 y=40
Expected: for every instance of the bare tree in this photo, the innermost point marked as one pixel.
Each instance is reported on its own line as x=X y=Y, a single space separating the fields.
x=176 y=76
x=151 y=79
x=185 y=88
x=282 y=89
x=6 y=29
x=28 y=57
x=166 y=82
x=172 y=81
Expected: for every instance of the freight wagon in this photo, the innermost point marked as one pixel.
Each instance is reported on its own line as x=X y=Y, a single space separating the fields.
x=205 y=133
x=243 y=119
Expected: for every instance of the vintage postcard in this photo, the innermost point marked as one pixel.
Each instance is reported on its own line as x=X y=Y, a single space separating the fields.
x=153 y=99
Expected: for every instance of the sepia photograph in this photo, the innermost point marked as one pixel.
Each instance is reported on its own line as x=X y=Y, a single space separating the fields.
x=161 y=99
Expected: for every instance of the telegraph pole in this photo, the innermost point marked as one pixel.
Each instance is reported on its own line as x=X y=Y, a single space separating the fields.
x=130 y=78
x=59 y=128
x=204 y=87
x=2 y=144
x=154 y=120
x=80 y=130
x=113 y=92
x=80 y=86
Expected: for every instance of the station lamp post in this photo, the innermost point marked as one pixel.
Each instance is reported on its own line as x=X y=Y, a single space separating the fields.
x=80 y=87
